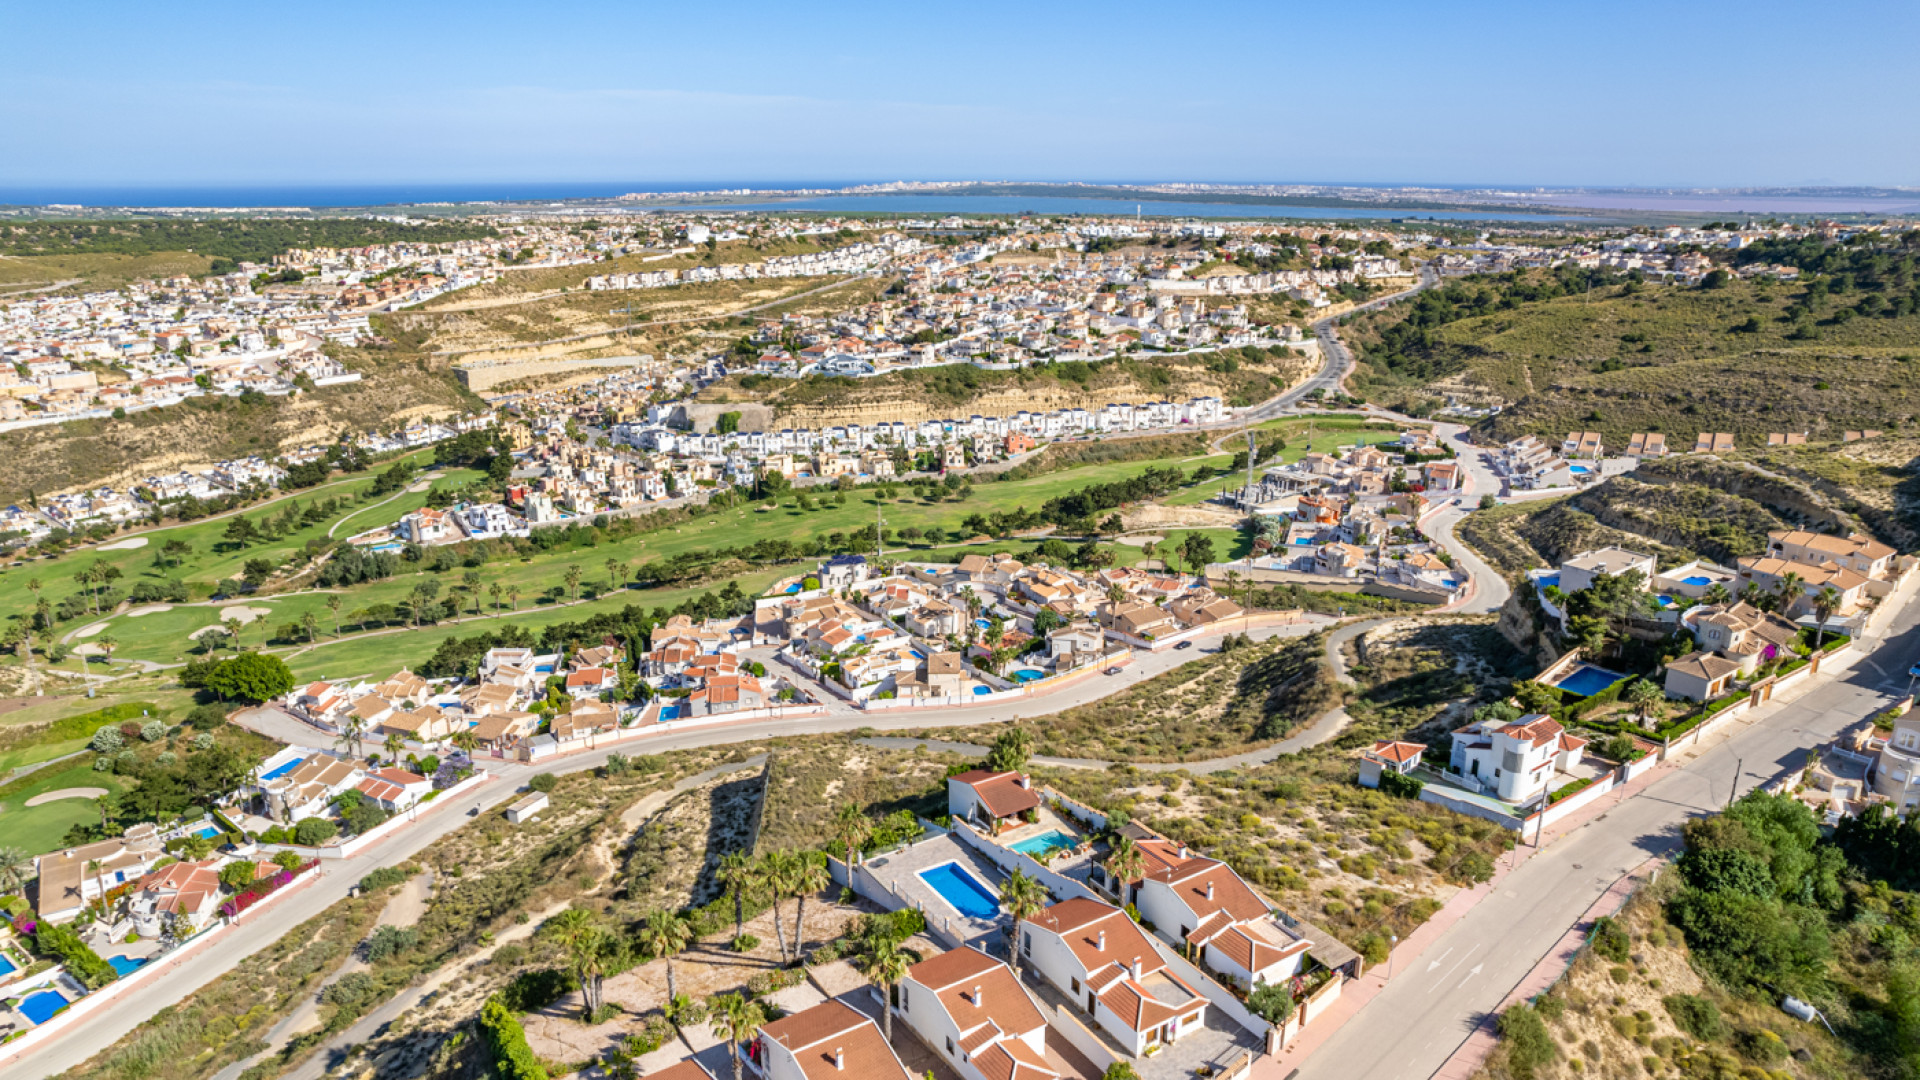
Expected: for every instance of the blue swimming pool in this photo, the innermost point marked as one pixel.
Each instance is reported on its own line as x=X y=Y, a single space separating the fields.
x=1578 y=470
x=127 y=965
x=917 y=654
x=1588 y=680
x=207 y=831
x=282 y=770
x=1044 y=843
x=962 y=890
x=982 y=690
x=669 y=712
x=7 y=966
x=1027 y=675
x=982 y=623
x=40 y=1007
x=1698 y=581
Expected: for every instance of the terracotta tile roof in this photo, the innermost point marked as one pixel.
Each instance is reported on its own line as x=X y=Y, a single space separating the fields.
x=1001 y=792
x=830 y=1031
x=1398 y=751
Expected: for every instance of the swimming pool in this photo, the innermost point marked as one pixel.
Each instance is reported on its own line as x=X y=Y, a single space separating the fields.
x=962 y=890
x=1578 y=470
x=1044 y=843
x=669 y=712
x=282 y=770
x=207 y=831
x=983 y=690
x=40 y=1007
x=6 y=966
x=1027 y=675
x=1698 y=581
x=127 y=965
x=1588 y=680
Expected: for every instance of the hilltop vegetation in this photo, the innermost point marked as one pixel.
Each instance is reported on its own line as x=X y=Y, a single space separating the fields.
x=1596 y=351
x=1238 y=376
x=234 y=239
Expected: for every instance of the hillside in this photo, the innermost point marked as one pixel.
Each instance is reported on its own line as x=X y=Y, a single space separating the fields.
x=201 y=431
x=1679 y=508
x=1624 y=356
x=1239 y=377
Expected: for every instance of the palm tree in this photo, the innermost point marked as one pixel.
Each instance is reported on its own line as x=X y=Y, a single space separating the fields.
x=1718 y=594
x=13 y=869
x=493 y=592
x=573 y=580
x=1643 y=696
x=109 y=807
x=99 y=871
x=738 y=873
x=586 y=943
x=233 y=630
x=352 y=730
x=666 y=935
x=809 y=877
x=775 y=872
x=1024 y=897
x=737 y=1018
x=471 y=582
x=106 y=643
x=311 y=624
x=885 y=965
x=464 y=739
x=333 y=607
x=1124 y=863
x=613 y=574
x=1826 y=604
x=1792 y=586
x=851 y=829
x=394 y=745
x=513 y=598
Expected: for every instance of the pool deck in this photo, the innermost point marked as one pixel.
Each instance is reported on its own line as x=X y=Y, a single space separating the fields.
x=900 y=872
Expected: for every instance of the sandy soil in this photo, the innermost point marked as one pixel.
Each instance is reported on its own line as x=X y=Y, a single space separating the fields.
x=243 y=614
x=67 y=793
x=149 y=609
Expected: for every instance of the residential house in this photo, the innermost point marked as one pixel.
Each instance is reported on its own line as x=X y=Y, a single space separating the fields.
x=1896 y=766
x=970 y=1009
x=1710 y=442
x=395 y=789
x=991 y=800
x=309 y=789
x=1856 y=551
x=1106 y=965
x=1648 y=444
x=1700 y=676
x=831 y=1041
x=69 y=879
x=188 y=892
x=1389 y=756
x=1579 y=572
x=1515 y=759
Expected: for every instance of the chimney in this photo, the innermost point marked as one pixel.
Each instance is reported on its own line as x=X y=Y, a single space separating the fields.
x=1103 y=941
x=1183 y=851
x=1134 y=968
x=839 y=1059
x=977 y=999
x=1209 y=890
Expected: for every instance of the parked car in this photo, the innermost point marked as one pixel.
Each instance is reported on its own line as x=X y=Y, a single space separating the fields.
x=1183 y=645
x=1115 y=670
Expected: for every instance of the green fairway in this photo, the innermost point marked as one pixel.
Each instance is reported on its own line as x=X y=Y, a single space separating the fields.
x=1326 y=437
x=37 y=830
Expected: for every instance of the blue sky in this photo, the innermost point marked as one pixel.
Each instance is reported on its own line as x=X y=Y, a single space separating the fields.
x=1686 y=93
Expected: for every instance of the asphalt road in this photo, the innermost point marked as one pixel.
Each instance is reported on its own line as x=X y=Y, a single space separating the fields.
x=1434 y=1002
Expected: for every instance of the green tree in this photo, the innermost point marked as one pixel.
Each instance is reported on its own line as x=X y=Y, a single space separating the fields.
x=738 y=873
x=665 y=935
x=885 y=965
x=587 y=944
x=851 y=829
x=573 y=581
x=1012 y=748
x=1023 y=897
x=251 y=676
x=737 y=1018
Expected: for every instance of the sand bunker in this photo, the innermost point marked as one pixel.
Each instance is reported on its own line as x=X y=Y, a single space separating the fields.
x=150 y=609
x=128 y=544
x=243 y=614
x=89 y=631
x=67 y=793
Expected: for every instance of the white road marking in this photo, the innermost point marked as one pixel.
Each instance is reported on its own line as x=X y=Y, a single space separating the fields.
x=1437 y=963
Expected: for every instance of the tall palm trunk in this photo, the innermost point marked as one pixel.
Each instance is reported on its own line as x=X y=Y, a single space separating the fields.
x=780 y=931
x=800 y=928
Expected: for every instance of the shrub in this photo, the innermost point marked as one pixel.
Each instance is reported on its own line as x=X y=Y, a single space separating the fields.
x=1274 y=1004
x=1550 y=1007
x=1405 y=787
x=384 y=877
x=531 y=990
x=1763 y=1046
x=1695 y=1015
x=1610 y=939
x=390 y=941
x=744 y=943
x=506 y=1040
x=314 y=831
x=1529 y=1045
x=152 y=731
x=543 y=782
x=350 y=991
x=63 y=944
x=106 y=741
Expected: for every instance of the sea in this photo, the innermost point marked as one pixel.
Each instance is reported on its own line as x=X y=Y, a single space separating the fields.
x=431 y=193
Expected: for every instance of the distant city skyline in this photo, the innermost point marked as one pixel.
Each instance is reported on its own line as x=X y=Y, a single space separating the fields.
x=1706 y=94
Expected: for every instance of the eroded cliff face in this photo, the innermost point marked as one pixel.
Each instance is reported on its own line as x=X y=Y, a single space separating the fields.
x=1528 y=628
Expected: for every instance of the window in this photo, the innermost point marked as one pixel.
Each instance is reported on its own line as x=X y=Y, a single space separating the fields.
x=1026 y=944
x=949 y=1046
x=1073 y=986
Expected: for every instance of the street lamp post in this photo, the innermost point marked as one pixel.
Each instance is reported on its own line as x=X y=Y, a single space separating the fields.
x=1393 y=939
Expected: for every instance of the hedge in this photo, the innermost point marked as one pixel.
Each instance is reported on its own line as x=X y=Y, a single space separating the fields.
x=1577 y=785
x=513 y=1059
x=60 y=942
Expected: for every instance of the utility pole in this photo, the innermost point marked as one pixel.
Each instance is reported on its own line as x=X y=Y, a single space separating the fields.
x=1246 y=497
x=1739 y=765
